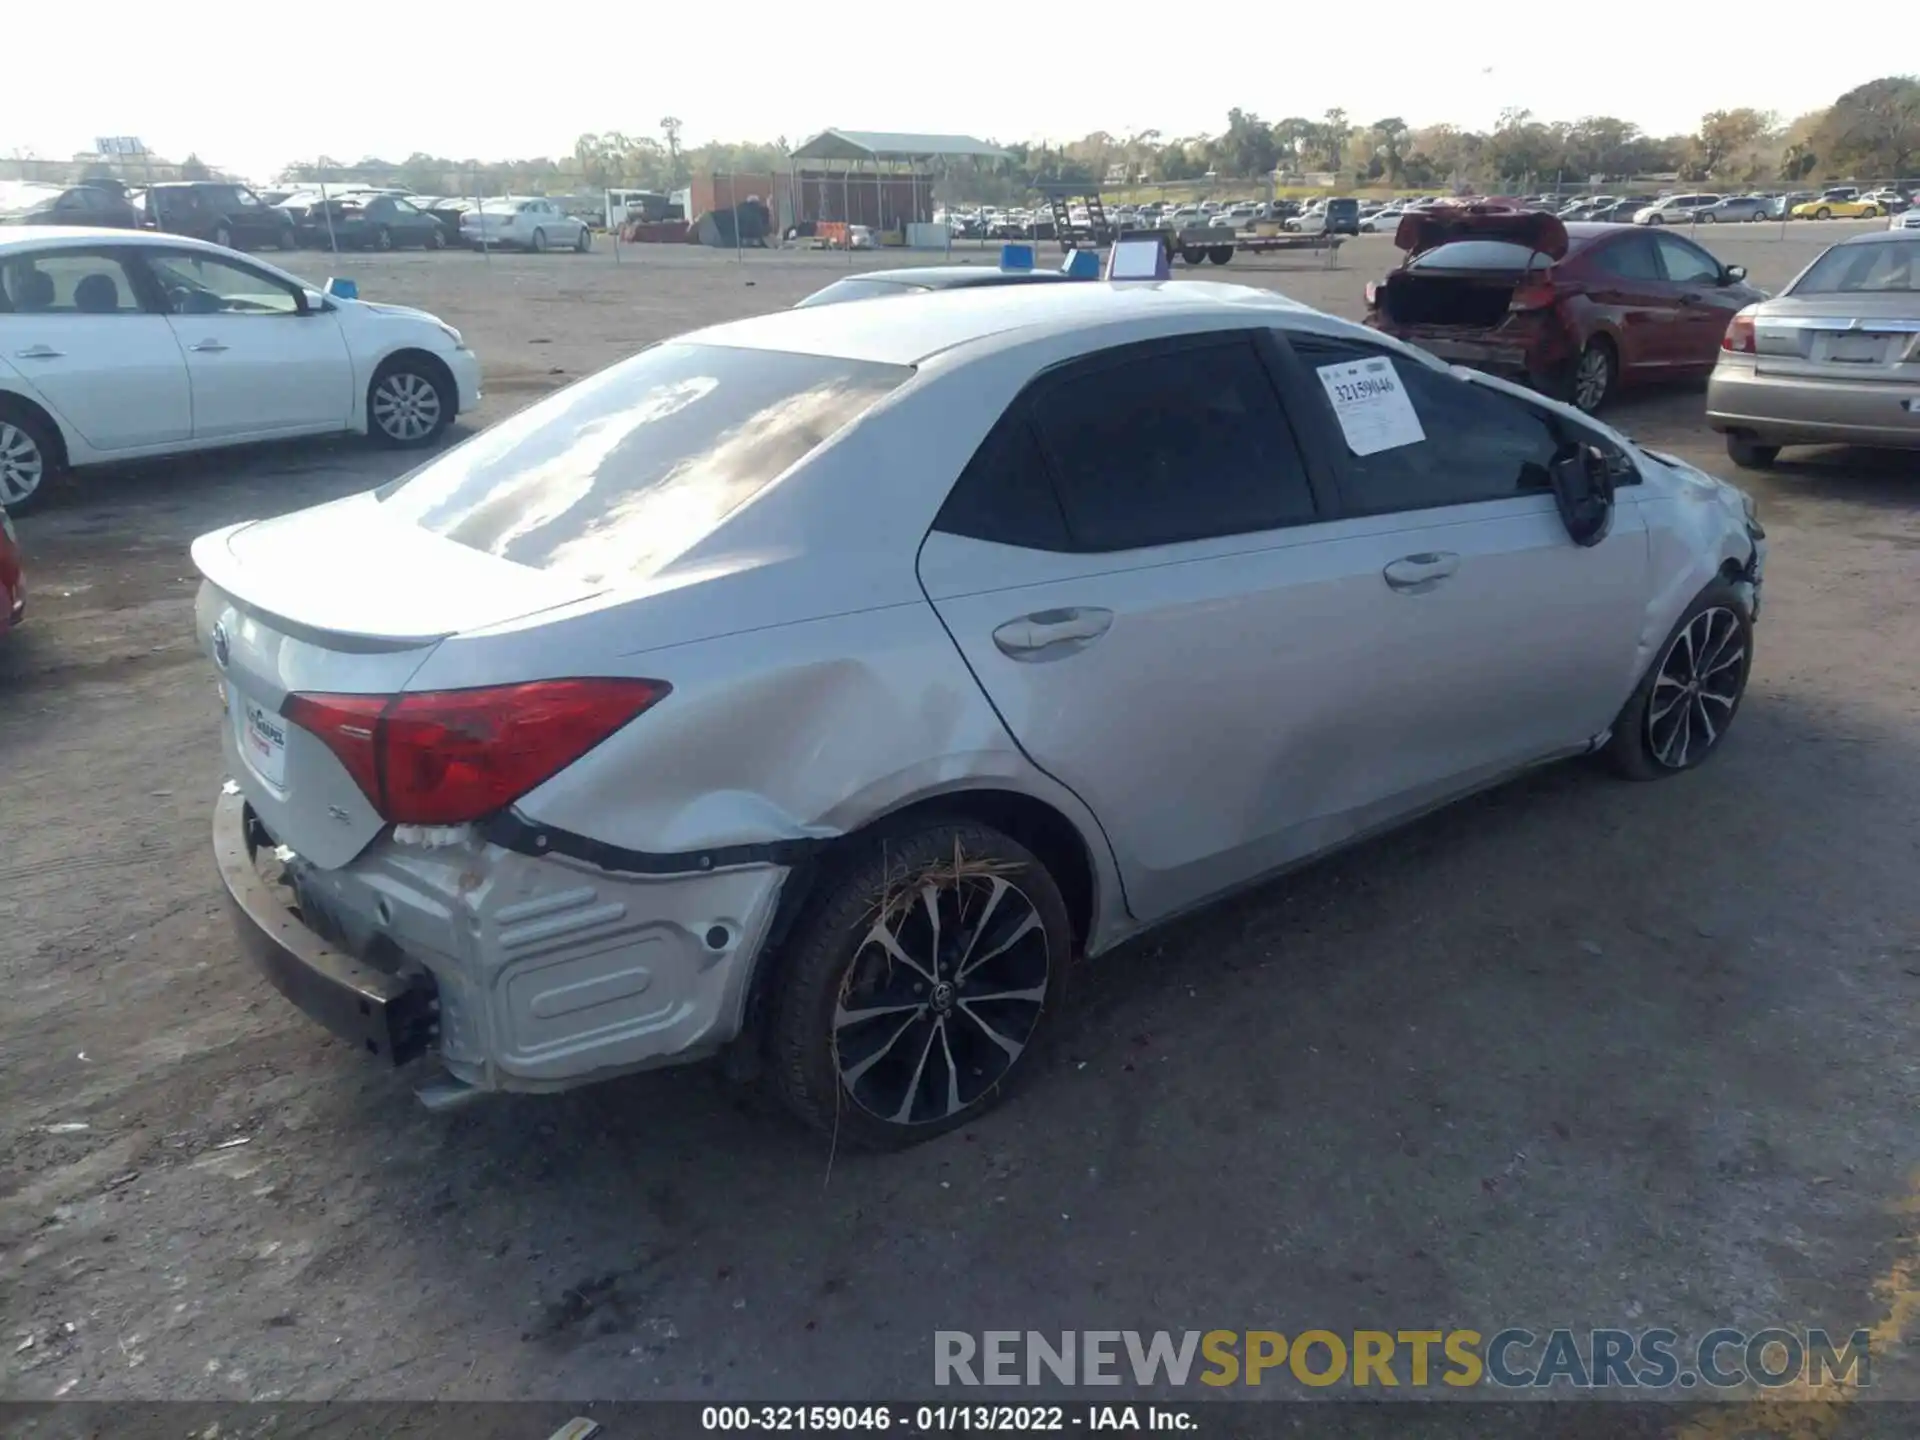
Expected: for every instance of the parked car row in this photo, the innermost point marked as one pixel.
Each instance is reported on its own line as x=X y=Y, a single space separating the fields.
x=343 y=218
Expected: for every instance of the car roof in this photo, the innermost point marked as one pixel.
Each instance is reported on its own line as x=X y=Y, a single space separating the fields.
x=942 y=277
x=908 y=330
x=1878 y=237
x=15 y=238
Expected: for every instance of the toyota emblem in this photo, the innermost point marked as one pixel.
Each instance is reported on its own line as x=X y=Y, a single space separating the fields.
x=221 y=651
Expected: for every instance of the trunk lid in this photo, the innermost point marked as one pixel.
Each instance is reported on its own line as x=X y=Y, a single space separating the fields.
x=280 y=611
x=1851 y=336
x=1423 y=230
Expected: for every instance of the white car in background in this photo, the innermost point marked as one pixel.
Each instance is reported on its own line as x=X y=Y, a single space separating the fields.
x=116 y=345
x=1905 y=220
x=524 y=222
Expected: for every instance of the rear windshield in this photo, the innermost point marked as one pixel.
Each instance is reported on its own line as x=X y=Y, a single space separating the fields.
x=1343 y=207
x=1884 y=267
x=1481 y=255
x=857 y=288
x=616 y=477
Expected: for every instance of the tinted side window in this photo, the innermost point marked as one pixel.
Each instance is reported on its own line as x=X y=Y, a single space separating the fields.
x=1005 y=494
x=1631 y=258
x=1478 y=445
x=1687 y=264
x=1171 y=445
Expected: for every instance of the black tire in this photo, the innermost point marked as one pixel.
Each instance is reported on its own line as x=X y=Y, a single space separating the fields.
x=1220 y=254
x=222 y=235
x=436 y=239
x=585 y=242
x=1655 y=735
x=833 y=957
x=1655 y=219
x=1708 y=219
x=399 y=415
x=539 y=242
x=1748 y=453
x=31 y=457
x=1192 y=254
x=1592 y=376
x=1823 y=213
x=1756 y=217
x=382 y=238
x=287 y=239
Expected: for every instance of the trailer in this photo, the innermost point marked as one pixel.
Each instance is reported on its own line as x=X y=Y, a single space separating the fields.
x=1198 y=246
x=1081 y=223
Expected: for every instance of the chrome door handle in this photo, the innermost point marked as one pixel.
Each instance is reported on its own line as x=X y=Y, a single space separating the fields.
x=39 y=352
x=1052 y=634
x=1417 y=574
x=207 y=347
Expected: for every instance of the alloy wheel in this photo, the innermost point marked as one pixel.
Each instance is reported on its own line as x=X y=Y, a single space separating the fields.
x=1592 y=374
x=406 y=405
x=940 y=999
x=22 y=466
x=1696 y=689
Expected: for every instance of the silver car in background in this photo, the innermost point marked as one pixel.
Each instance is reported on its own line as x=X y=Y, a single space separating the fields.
x=1832 y=359
x=1734 y=209
x=821 y=687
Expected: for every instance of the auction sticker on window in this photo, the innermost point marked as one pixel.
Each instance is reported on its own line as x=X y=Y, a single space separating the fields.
x=1372 y=405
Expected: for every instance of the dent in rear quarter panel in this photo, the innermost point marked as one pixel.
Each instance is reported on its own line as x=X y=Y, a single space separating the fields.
x=809 y=729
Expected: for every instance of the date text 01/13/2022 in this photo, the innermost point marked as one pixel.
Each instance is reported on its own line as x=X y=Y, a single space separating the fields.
x=943 y=1419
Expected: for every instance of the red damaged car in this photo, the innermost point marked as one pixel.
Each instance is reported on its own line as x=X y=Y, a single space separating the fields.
x=1576 y=310
x=13 y=588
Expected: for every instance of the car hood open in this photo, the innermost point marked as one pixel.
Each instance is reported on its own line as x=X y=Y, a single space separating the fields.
x=1422 y=230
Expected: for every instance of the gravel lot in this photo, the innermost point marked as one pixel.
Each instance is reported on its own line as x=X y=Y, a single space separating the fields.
x=1574 y=1053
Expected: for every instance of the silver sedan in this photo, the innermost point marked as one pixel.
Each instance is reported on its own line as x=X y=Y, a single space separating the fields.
x=822 y=687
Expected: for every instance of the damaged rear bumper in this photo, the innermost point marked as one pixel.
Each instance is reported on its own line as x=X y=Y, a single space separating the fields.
x=518 y=972
x=384 y=1015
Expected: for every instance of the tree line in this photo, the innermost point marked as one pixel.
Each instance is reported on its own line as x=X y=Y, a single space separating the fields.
x=1870 y=132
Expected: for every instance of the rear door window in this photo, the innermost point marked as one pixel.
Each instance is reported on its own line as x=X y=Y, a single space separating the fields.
x=1477 y=444
x=615 y=477
x=1632 y=257
x=1155 y=445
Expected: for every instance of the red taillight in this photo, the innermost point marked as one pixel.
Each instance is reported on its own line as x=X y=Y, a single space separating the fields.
x=1740 y=336
x=1537 y=295
x=443 y=757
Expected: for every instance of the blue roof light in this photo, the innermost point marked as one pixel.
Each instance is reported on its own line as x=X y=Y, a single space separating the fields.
x=1081 y=265
x=1016 y=257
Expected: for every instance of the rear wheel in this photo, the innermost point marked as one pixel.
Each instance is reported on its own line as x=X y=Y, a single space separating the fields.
x=1748 y=453
x=29 y=452
x=919 y=986
x=287 y=239
x=436 y=239
x=222 y=235
x=585 y=242
x=382 y=238
x=1708 y=218
x=410 y=402
x=539 y=241
x=1592 y=377
x=1220 y=254
x=1682 y=709
x=1192 y=254
x=1823 y=213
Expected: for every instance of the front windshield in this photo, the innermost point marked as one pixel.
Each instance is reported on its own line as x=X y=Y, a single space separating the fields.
x=1883 y=267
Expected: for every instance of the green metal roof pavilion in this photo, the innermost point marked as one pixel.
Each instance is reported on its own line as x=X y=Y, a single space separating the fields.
x=855 y=146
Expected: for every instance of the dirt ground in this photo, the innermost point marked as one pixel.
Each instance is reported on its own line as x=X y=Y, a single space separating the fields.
x=1575 y=1053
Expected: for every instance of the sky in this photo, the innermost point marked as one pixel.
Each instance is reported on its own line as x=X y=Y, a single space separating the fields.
x=490 y=81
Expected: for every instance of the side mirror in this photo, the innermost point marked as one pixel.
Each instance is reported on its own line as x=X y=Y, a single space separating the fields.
x=1734 y=275
x=1583 y=490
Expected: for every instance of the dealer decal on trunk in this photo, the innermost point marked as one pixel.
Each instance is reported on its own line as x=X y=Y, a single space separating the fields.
x=1371 y=405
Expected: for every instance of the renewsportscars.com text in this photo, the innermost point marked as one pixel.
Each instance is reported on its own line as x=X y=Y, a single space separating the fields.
x=1511 y=1359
